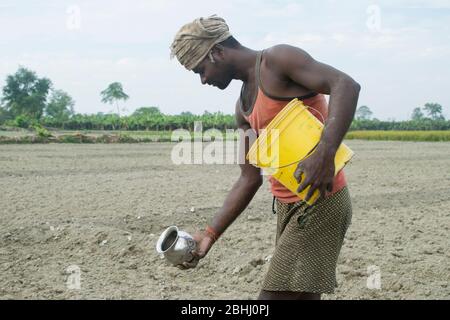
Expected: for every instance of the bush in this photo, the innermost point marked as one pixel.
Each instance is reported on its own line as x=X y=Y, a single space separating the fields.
x=69 y=139
x=76 y=138
x=22 y=121
x=125 y=138
x=42 y=132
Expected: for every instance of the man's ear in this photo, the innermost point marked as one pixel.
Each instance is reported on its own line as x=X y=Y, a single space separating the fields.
x=219 y=51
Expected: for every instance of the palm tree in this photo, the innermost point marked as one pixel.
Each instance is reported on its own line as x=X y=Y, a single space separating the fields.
x=417 y=114
x=363 y=113
x=114 y=93
x=434 y=110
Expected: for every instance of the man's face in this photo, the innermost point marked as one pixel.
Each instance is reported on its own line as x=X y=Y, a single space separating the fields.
x=216 y=74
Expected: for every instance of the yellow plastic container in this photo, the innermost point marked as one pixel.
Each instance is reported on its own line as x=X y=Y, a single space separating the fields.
x=288 y=139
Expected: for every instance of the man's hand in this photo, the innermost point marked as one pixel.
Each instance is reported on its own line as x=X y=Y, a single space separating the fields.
x=318 y=170
x=204 y=244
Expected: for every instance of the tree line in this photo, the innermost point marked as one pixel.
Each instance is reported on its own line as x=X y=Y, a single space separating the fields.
x=28 y=101
x=429 y=117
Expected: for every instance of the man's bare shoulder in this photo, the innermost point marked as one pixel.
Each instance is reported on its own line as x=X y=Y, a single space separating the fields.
x=282 y=55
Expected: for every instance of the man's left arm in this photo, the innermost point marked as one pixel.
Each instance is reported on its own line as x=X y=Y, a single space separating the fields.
x=301 y=68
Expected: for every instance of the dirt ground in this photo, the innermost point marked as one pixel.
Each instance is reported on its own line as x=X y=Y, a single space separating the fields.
x=101 y=208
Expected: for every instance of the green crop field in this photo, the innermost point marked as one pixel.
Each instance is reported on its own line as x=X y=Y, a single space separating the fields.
x=99 y=136
x=400 y=135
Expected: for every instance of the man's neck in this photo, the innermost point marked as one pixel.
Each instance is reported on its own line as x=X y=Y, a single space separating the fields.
x=244 y=63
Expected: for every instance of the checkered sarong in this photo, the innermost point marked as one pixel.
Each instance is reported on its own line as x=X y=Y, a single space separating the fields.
x=308 y=243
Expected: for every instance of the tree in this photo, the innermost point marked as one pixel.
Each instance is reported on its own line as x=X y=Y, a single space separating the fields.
x=434 y=110
x=114 y=93
x=417 y=114
x=187 y=120
x=148 y=117
x=363 y=113
x=4 y=115
x=147 y=111
x=25 y=93
x=60 y=106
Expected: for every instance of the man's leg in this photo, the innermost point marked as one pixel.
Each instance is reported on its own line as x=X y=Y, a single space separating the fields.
x=287 y=295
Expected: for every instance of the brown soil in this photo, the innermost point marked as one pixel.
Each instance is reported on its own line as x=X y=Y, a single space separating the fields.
x=102 y=207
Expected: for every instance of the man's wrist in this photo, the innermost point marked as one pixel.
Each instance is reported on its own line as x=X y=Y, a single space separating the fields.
x=211 y=233
x=327 y=147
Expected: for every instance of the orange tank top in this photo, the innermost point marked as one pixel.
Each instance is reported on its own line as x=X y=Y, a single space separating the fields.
x=265 y=108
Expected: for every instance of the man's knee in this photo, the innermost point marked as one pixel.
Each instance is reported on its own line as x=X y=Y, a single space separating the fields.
x=287 y=295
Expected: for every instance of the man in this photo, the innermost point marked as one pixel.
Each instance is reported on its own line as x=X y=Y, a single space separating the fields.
x=308 y=239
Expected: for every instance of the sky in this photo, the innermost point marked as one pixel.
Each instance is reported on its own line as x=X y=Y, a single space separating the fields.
x=398 y=50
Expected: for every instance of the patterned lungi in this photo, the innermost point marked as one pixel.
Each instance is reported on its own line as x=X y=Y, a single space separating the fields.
x=308 y=243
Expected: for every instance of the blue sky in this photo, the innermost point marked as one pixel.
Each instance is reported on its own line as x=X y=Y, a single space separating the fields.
x=398 y=50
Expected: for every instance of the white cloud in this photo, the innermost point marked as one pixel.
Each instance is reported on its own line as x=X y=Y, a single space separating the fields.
x=339 y=37
x=124 y=42
x=419 y=4
x=276 y=11
x=273 y=38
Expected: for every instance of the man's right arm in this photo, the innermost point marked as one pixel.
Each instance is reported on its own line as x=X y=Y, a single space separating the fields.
x=244 y=188
x=237 y=199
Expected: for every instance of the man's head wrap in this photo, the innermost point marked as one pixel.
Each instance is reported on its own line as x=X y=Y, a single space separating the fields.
x=194 y=40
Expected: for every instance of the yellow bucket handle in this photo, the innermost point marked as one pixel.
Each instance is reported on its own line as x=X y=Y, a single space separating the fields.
x=297 y=161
